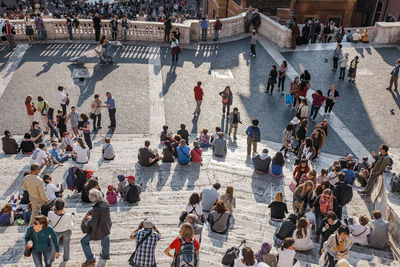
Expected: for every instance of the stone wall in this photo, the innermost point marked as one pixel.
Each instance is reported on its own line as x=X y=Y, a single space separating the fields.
x=278 y=34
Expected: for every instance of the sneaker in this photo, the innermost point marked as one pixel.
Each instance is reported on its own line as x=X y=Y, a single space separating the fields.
x=282 y=93
x=254 y=55
x=88 y=263
x=349 y=81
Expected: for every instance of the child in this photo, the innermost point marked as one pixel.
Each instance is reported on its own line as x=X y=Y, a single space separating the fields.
x=121 y=184
x=278 y=208
x=62 y=127
x=56 y=157
x=112 y=195
x=204 y=139
x=66 y=143
x=27 y=213
x=322 y=176
x=287 y=253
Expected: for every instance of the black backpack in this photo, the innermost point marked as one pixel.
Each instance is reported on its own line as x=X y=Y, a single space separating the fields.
x=80 y=179
x=347 y=195
x=395 y=183
x=255 y=136
x=230 y=256
x=133 y=194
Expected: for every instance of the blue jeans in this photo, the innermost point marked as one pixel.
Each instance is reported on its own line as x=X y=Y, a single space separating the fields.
x=314 y=110
x=66 y=240
x=53 y=132
x=105 y=247
x=216 y=35
x=124 y=33
x=37 y=258
x=70 y=32
x=204 y=34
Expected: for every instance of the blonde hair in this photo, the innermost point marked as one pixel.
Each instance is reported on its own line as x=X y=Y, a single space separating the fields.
x=186 y=231
x=229 y=192
x=279 y=197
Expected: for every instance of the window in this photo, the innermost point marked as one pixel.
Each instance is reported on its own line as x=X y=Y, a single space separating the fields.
x=378 y=12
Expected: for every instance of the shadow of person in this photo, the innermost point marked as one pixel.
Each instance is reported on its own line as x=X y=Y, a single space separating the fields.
x=260 y=184
x=169 y=80
x=194 y=125
x=46 y=67
x=396 y=97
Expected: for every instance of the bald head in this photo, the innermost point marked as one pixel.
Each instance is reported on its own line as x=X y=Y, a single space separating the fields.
x=191 y=218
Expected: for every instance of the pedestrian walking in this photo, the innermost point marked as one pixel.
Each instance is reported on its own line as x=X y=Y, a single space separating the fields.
x=271 y=80
x=217 y=28
x=175 y=50
x=318 y=100
x=40 y=30
x=293 y=89
x=30 y=110
x=337 y=54
x=68 y=23
x=353 y=69
x=9 y=31
x=43 y=107
x=204 y=28
x=29 y=27
x=35 y=187
x=253 y=136
x=394 y=76
x=64 y=101
x=39 y=238
x=51 y=123
x=86 y=129
x=234 y=120
x=332 y=97
x=198 y=96
x=282 y=76
x=110 y=105
x=114 y=28
x=227 y=99
x=253 y=42
x=96 y=26
x=343 y=65
x=97 y=226
x=96 y=112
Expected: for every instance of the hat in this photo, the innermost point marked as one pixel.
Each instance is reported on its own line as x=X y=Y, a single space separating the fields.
x=121 y=177
x=130 y=178
x=346 y=54
x=110 y=187
x=147 y=224
x=295 y=121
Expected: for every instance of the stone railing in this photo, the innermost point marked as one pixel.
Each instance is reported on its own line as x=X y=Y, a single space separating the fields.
x=275 y=32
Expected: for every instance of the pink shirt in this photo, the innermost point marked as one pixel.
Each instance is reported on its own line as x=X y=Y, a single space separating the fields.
x=204 y=139
x=195 y=153
x=112 y=197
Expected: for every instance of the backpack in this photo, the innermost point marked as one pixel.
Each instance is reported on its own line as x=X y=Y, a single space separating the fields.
x=255 y=137
x=45 y=107
x=395 y=183
x=186 y=256
x=230 y=256
x=80 y=179
x=71 y=181
x=347 y=195
x=133 y=194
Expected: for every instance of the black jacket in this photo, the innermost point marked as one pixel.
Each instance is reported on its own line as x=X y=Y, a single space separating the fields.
x=343 y=193
x=286 y=229
x=96 y=22
x=332 y=228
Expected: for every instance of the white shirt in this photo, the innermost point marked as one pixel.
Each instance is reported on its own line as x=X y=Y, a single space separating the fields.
x=51 y=190
x=62 y=97
x=198 y=209
x=239 y=263
x=63 y=225
x=81 y=153
x=360 y=236
x=38 y=156
x=174 y=43
x=305 y=243
x=333 y=178
x=215 y=136
x=286 y=257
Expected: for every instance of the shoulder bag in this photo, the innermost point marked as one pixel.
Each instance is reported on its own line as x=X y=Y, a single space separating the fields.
x=130 y=261
x=28 y=252
x=104 y=149
x=61 y=215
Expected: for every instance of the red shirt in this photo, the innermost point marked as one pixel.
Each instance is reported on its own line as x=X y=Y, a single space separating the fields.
x=30 y=109
x=176 y=244
x=198 y=93
x=196 y=154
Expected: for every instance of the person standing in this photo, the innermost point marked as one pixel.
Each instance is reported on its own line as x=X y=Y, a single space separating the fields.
x=227 y=100
x=110 y=105
x=125 y=27
x=343 y=65
x=293 y=89
x=68 y=23
x=30 y=109
x=96 y=112
x=332 y=97
x=97 y=226
x=234 y=120
x=337 y=54
x=147 y=236
x=204 y=28
x=28 y=27
x=73 y=117
x=43 y=107
x=114 y=28
x=35 y=187
x=63 y=98
x=86 y=129
x=248 y=18
x=97 y=25
x=198 y=96
x=40 y=27
x=253 y=136
x=9 y=32
x=394 y=76
x=217 y=28
x=318 y=100
x=271 y=80
x=282 y=76
x=353 y=70
x=256 y=21
x=253 y=42
x=39 y=237
x=175 y=50
x=382 y=160
x=167 y=30
x=295 y=34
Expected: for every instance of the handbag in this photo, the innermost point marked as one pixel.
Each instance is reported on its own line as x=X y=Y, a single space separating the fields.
x=67 y=101
x=183 y=215
x=225 y=100
x=28 y=252
x=92 y=115
x=292 y=186
x=130 y=261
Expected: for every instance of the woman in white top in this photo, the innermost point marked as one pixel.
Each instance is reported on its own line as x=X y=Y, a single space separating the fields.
x=247 y=260
x=302 y=236
x=175 y=50
x=63 y=99
x=80 y=153
x=50 y=188
x=228 y=199
x=62 y=223
x=360 y=231
x=286 y=253
x=108 y=149
x=194 y=206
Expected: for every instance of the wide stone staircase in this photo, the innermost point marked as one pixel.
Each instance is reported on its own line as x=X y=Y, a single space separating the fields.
x=166 y=190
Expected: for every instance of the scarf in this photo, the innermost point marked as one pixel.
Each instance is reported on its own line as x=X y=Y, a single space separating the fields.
x=325 y=205
x=265 y=249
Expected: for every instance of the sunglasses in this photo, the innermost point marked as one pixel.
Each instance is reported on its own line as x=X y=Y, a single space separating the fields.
x=36 y=223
